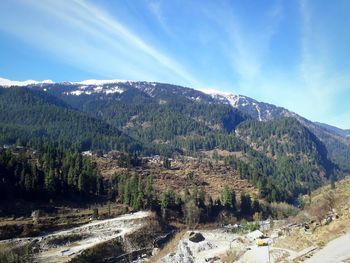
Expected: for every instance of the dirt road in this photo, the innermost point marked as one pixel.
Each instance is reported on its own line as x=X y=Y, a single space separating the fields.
x=336 y=251
x=62 y=246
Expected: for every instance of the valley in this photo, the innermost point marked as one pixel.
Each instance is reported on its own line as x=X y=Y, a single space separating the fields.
x=125 y=171
x=156 y=131
x=300 y=238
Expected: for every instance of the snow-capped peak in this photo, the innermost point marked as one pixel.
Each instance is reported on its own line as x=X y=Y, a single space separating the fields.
x=214 y=92
x=224 y=97
x=97 y=82
x=9 y=83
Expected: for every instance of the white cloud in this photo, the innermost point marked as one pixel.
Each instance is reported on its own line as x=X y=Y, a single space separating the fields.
x=322 y=84
x=155 y=6
x=86 y=36
x=224 y=47
x=246 y=47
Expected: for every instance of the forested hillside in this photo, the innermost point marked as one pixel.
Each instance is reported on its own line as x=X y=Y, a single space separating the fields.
x=163 y=116
x=30 y=117
x=282 y=158
x=288 y=155
x=48 y=172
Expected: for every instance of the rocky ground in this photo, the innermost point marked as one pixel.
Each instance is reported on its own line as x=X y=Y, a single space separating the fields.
x=319 y=233
x=62 y=246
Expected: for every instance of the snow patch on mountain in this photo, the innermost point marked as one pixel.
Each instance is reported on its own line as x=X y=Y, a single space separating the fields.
x=92 y=89
x=214 y=92
x=12 y=83
x=97 y=82
x=258 y=110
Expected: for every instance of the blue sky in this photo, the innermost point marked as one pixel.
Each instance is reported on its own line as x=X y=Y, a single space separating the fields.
x=291 y=53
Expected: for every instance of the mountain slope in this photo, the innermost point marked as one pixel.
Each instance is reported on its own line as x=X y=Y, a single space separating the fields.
x=337 y=141
x=332 y=129
x=258 y=110
x=297 y=159
x=150 y=111
x=282 y=157
x=30 y=115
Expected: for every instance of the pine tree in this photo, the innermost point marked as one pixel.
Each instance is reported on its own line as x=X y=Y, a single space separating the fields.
x=149 y=192
x=81 y=182
x=35 y=178
x=246 y=204
x=126 y=198
x=70 y=177
x=228 y=198
x=50 y=184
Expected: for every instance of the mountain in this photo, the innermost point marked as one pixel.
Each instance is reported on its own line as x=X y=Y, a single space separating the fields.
x=337 y=141
x=11 y=83
x=297 y=152
x=32 y=116
x=333 y=129
x=86 y=95
x=149 y=111
x=258 y=110
x=274 y=149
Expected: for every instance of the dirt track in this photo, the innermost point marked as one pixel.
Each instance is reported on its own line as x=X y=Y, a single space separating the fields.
x=55 y=248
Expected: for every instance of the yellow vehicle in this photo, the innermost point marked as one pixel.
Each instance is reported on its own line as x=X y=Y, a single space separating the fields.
x=261 y=242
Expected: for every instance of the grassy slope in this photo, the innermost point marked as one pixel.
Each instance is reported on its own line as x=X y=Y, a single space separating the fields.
x=321 y=234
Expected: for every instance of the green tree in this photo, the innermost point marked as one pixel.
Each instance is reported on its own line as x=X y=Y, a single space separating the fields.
x=126 y=198
x=228 y=198
x=246 y=204
x=50 y=184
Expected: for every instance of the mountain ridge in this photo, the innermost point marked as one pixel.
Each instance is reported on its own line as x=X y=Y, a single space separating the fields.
x=76 y=94
x=235 y=100
x=148 y=118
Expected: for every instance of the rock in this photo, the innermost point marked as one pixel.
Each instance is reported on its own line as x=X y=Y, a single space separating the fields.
x=155 y=251
x=196 y=237
x=182 y=254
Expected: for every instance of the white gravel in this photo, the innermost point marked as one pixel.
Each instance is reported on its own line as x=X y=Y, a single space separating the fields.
x=216 y=243
x=92 y=234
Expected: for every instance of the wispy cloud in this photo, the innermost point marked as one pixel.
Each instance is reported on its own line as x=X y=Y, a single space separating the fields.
x=225 y=45
x=321 y=83
x=87 y=36
x=155 y=6
x=244 y=45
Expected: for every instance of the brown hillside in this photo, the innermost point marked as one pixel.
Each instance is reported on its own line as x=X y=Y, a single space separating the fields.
x=185 y=173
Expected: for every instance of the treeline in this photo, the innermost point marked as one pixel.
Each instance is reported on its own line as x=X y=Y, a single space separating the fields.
x=284 y=180
x=49 y=172
x=191 y=206
x=133 y=191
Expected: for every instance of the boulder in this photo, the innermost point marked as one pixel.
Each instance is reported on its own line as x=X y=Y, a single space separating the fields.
x=196 y=237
